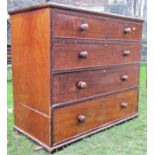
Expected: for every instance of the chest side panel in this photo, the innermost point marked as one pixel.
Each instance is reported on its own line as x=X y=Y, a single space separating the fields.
x=31 y=72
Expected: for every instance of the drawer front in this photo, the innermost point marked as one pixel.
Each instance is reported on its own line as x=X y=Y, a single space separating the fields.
x=79 y=118
x=76 y=85
x=68 y=24
x=72 y=55
x=73 y=86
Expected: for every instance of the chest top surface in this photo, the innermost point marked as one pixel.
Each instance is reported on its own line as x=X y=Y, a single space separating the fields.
x=72 y=8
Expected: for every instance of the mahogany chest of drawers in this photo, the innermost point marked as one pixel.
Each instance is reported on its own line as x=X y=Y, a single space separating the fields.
x=75 y=72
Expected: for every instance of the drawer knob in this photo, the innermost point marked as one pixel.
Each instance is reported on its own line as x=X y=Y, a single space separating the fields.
x=81 y=84
x=83 y=54
x=127 y=30
x=81 y=118
x=84 y=27
x=126 y=52
x=124 y=104
x=124 y=77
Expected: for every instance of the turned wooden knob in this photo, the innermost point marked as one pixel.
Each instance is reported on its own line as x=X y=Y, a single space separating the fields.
x=124 y=104
x=83 y=54
x=84 y=27
x=81 y=118
x=81 y=84
x=126 y=52
x=124 y=77
x=127 y=30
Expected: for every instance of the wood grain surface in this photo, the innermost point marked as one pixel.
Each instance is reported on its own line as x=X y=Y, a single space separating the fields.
x=71 y=77
x=98 y=112
x=67 y=55
x=30 y=37
x=103 y=28
x=98 y=82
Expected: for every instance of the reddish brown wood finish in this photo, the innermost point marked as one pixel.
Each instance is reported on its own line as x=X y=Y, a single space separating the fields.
x=33 y=122
x=97 y=27
x=75 y=72
x=66 y=55
x=30 y=33
x=97 y=112
x=98 y=82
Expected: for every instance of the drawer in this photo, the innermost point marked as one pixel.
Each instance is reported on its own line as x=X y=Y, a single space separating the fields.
x=68 y=24
x=72 y=55
x=86 y=116
x=77 y=85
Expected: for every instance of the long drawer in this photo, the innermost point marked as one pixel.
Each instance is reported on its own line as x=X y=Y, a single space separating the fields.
x=73 y=55
x=82 y=26
x=76 y=85
x=79 y=118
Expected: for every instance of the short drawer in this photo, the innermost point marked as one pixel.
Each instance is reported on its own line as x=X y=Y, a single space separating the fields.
x=82 y=84
x=68 y=24
x=72 y=55
x=80 y=118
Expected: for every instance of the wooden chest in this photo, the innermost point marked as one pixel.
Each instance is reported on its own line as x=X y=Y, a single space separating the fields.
x=75 y=72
